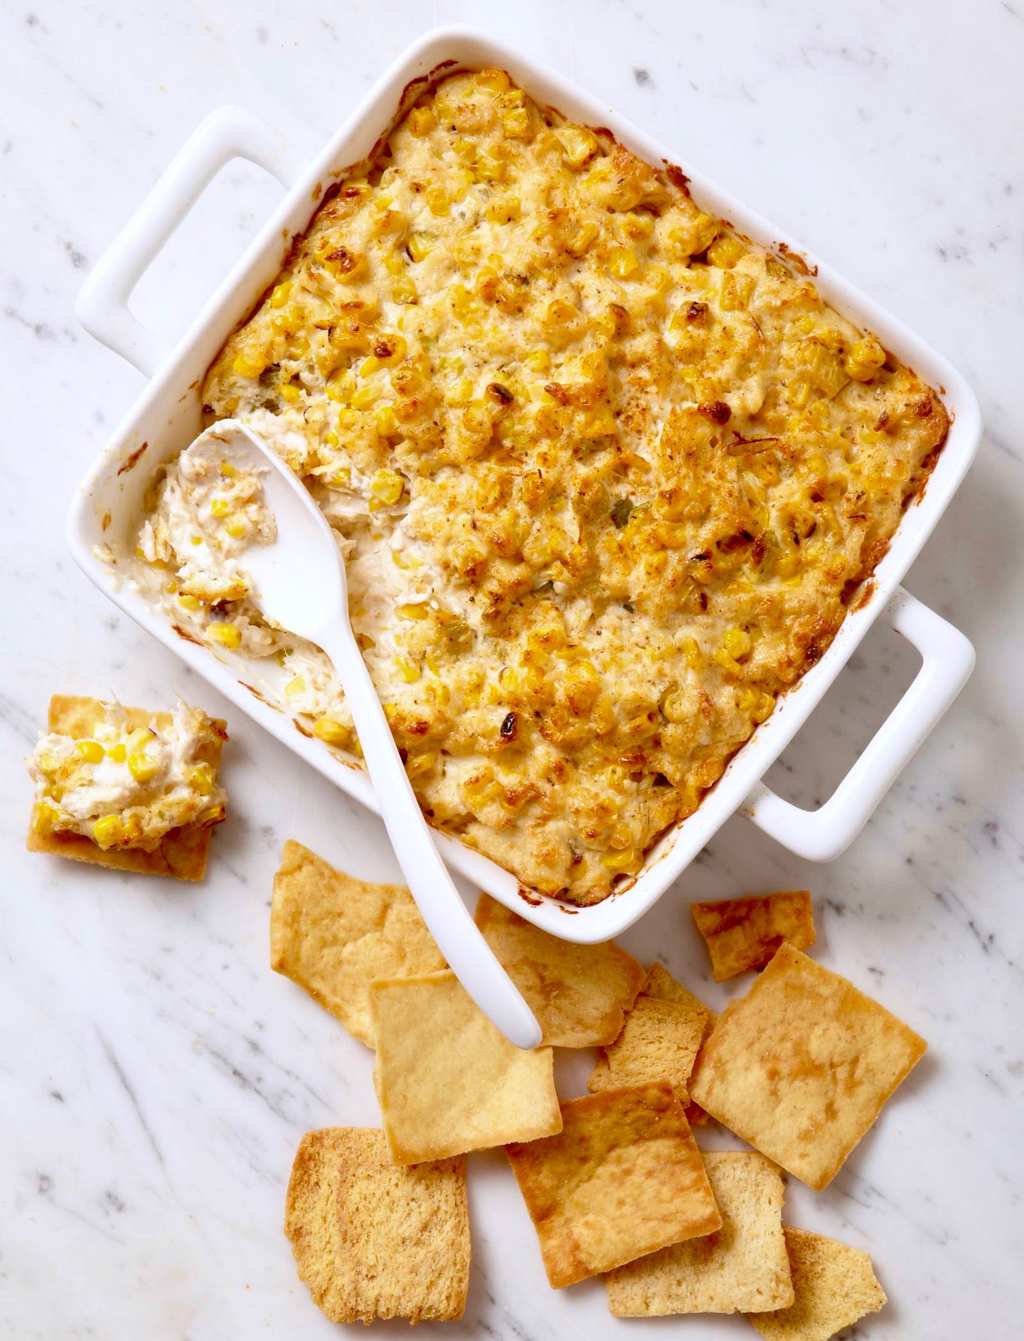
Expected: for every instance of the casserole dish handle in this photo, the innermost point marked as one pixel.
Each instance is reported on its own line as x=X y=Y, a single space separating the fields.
x=102 y=305
x=947 y=659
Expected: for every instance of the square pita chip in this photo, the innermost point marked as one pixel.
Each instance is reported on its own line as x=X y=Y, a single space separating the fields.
x=579 y=993
x=801 y=1066
x=373 y=1240
x=182 y=852
x=333 y=935
x=659 y=1041
x=623 y=1178
x=835 y=1287
x=743 y=934
x=739 y=1268
x=447 y=1080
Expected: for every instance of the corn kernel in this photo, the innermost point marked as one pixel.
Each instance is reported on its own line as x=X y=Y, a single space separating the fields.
x=365 y=396
x=737 y=643
x=132 y=830
x=404 y=291
x=107 y=831
x=516 y=123
x=623 y=262
x=788 y=564
x=140 y=739
x=461 y=300
x=387 y=487
x=420 y=246
x=726 y=250
x=692 y=653
x=116 y=753
x=413 y=611
x=290 y=392
x=200 y=778
x=228 y=635
x=581 y=687
x=237 y=528
x=538 y=361
x=675 y=706
x=579 y=145
x=580 y=242
x=505 y=210
x=280 y=294
x=89 y=751
x=295 y=686
x=345 y=264
x=248 y=364
x=389 y=348
x=864 y=359
x=419 y=764
x=421 y=121
x=695 y=236
x=497 y=81
x=437 y=200
x=220 y=507
x=638 y=226
x=44 y=817
x=407 y=669
x=331 y=731
x=142 y=766
x=620 y=861
x=384 y=420
x=228 y=470
x=764 y=707
x=620 y=838
x=736 y=291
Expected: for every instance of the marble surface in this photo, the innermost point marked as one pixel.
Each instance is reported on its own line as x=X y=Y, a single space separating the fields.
x=155 y=1076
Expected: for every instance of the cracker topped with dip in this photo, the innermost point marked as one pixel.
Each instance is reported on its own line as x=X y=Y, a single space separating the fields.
x=128 y=788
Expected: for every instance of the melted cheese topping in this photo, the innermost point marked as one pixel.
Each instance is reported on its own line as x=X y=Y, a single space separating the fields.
x=606 y=473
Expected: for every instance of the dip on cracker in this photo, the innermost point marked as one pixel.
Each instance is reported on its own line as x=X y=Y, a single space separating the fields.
x=126 y=787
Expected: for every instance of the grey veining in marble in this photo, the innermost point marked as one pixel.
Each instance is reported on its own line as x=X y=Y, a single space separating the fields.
x=155 y=1076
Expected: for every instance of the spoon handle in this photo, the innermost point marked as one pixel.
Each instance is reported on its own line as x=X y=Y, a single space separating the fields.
x=458 y=937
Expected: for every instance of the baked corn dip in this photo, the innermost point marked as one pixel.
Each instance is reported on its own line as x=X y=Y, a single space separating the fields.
x=605 y=474
x=125 y=786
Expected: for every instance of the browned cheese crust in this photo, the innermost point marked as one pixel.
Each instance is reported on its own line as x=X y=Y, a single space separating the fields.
x=629 y=466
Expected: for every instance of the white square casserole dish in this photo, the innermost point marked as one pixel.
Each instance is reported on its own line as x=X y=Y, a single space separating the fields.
x=168 y=415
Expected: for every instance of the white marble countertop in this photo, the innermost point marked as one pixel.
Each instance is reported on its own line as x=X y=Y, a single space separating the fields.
x=155 y=1076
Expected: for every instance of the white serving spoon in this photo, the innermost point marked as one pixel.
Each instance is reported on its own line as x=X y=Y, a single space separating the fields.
x=301 y=586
